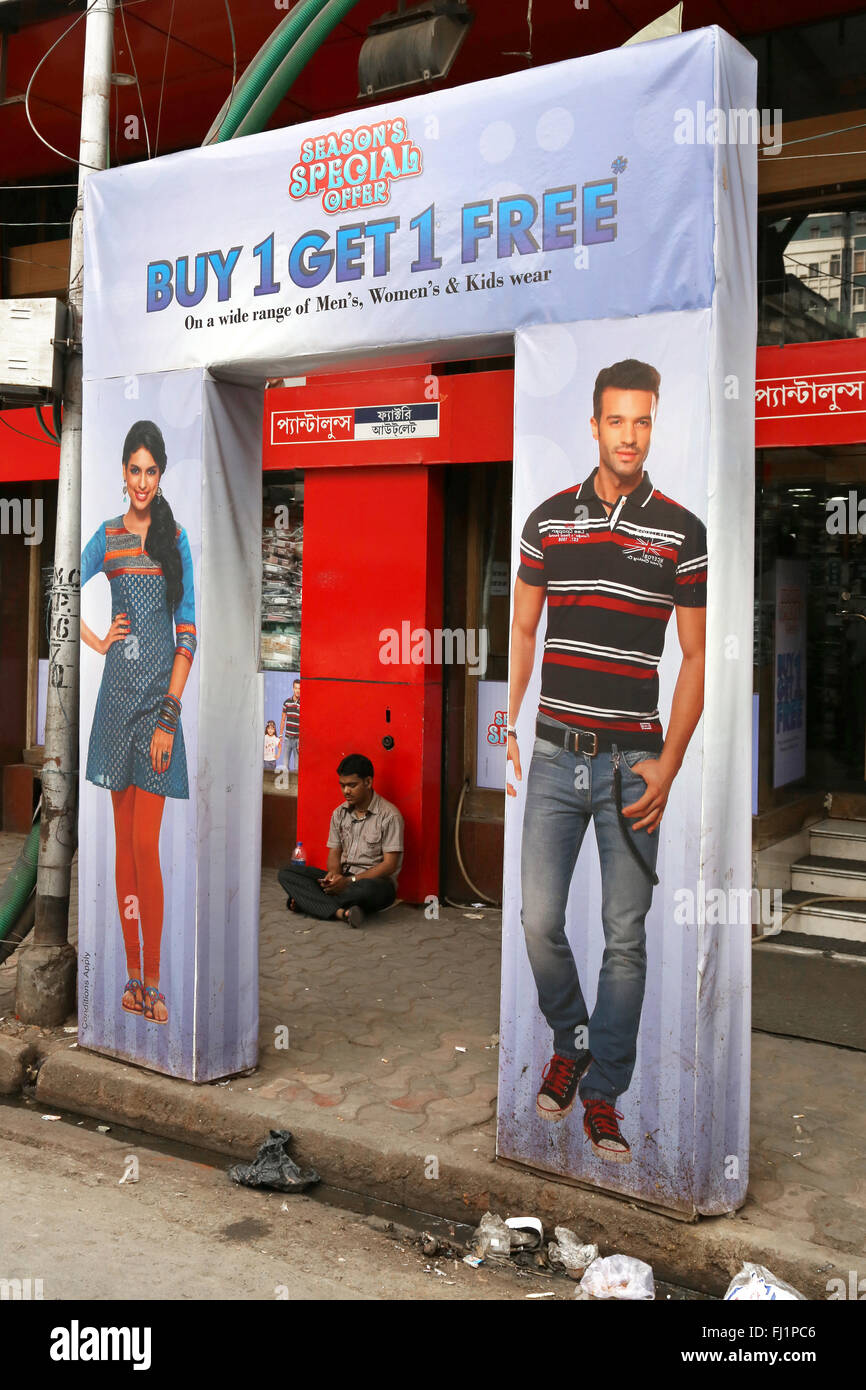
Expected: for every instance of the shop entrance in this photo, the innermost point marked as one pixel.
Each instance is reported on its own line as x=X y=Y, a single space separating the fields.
x=387 y=512
x=478 y=584
x=805 y=537
x=810 y=688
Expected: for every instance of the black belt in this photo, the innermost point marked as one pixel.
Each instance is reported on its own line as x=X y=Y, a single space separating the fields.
x=574 y=740
x=582 y=741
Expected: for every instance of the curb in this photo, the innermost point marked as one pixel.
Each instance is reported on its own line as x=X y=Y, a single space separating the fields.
x=15 y=1057
x=703 y=1255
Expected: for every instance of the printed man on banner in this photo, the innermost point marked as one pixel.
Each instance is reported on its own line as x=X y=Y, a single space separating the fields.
x=613 y=558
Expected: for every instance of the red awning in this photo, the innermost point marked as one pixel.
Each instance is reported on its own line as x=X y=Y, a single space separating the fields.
x=25 y=452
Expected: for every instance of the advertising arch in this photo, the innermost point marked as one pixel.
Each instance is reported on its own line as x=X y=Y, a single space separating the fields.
x=588 y=217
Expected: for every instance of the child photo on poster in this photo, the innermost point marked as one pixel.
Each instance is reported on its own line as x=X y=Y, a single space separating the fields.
x=136 y=748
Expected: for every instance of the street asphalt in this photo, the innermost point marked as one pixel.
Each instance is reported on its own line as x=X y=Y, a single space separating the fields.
x=372 y=1085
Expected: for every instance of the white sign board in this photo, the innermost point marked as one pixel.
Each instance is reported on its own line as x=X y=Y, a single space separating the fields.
x=490 y=739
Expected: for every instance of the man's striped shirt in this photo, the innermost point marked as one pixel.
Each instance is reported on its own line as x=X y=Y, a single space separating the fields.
x=292 y=717
x=612 y=583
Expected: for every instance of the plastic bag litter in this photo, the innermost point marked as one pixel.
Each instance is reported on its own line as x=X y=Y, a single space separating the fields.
x=492 y=1236
x=754 y=1282
x=274 y=1167
x=618 y=1276
x=568 y=1252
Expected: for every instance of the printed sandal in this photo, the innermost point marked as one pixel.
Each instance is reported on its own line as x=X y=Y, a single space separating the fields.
x=152 y=997
x=132 y=987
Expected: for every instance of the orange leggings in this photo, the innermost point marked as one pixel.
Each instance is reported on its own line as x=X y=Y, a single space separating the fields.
x=138 y=878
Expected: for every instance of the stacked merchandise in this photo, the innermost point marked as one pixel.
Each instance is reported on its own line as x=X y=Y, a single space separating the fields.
x=282 y=555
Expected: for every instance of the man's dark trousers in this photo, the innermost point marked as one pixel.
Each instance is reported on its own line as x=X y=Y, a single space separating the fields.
x=301 y=882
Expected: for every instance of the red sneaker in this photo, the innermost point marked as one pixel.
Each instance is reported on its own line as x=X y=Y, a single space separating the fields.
x=559 y=1085
x=601 y=1128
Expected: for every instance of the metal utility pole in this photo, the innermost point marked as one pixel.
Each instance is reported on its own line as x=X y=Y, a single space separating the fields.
x=46 y=970
x=847 y=266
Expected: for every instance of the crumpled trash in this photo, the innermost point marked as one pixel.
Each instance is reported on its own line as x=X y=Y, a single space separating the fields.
x=492 y=1236
x=754 y=1282
x=618 y=1276
x=274 y=1167
x=568 y=1253
x=527 y=1232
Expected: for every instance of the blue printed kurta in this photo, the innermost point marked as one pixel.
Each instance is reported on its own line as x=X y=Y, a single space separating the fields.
x=137 y=668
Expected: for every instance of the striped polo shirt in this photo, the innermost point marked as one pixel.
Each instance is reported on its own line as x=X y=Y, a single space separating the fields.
x=612 y=583
x=292 y=716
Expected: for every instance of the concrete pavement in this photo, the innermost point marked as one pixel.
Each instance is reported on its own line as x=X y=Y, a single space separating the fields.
x=381 y=1102
x=181 y=1230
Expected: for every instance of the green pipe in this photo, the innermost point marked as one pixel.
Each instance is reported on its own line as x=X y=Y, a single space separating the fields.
x=22 y=928
x=262 y=107
x=20 y=882
x=261 y=69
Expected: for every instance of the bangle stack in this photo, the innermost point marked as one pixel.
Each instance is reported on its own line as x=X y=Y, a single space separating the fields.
x=169 y=715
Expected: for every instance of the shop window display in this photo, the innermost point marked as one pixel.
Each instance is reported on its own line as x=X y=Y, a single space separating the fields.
x=282 y=558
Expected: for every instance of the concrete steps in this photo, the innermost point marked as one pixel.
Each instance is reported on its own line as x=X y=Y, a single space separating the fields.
x=835 y=865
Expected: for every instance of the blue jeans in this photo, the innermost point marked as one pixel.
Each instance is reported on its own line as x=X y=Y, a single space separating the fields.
x=563 y=791
x=289 y=753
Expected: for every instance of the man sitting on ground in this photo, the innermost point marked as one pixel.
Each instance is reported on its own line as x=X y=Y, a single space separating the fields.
x=365 y=852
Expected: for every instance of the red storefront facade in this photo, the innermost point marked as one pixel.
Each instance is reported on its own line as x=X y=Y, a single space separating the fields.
x=380 y=517
x=374 y=563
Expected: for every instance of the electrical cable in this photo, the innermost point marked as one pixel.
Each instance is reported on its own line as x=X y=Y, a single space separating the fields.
x=47 y=143
x=64 y=223
x=820 y=135
x=825 y=154
x=116 y=96
x=825 y=134
x=26 y=187
x=24 y=260
x=806 y=902
x=162 y=83
x=23 y=433
x=476 y=890
x=122 y=9
x=522 y=52
x=54 y=439
x=234 y=56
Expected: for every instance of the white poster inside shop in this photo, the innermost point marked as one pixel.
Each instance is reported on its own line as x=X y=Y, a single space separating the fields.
x=491 y=737
x=789 y=707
